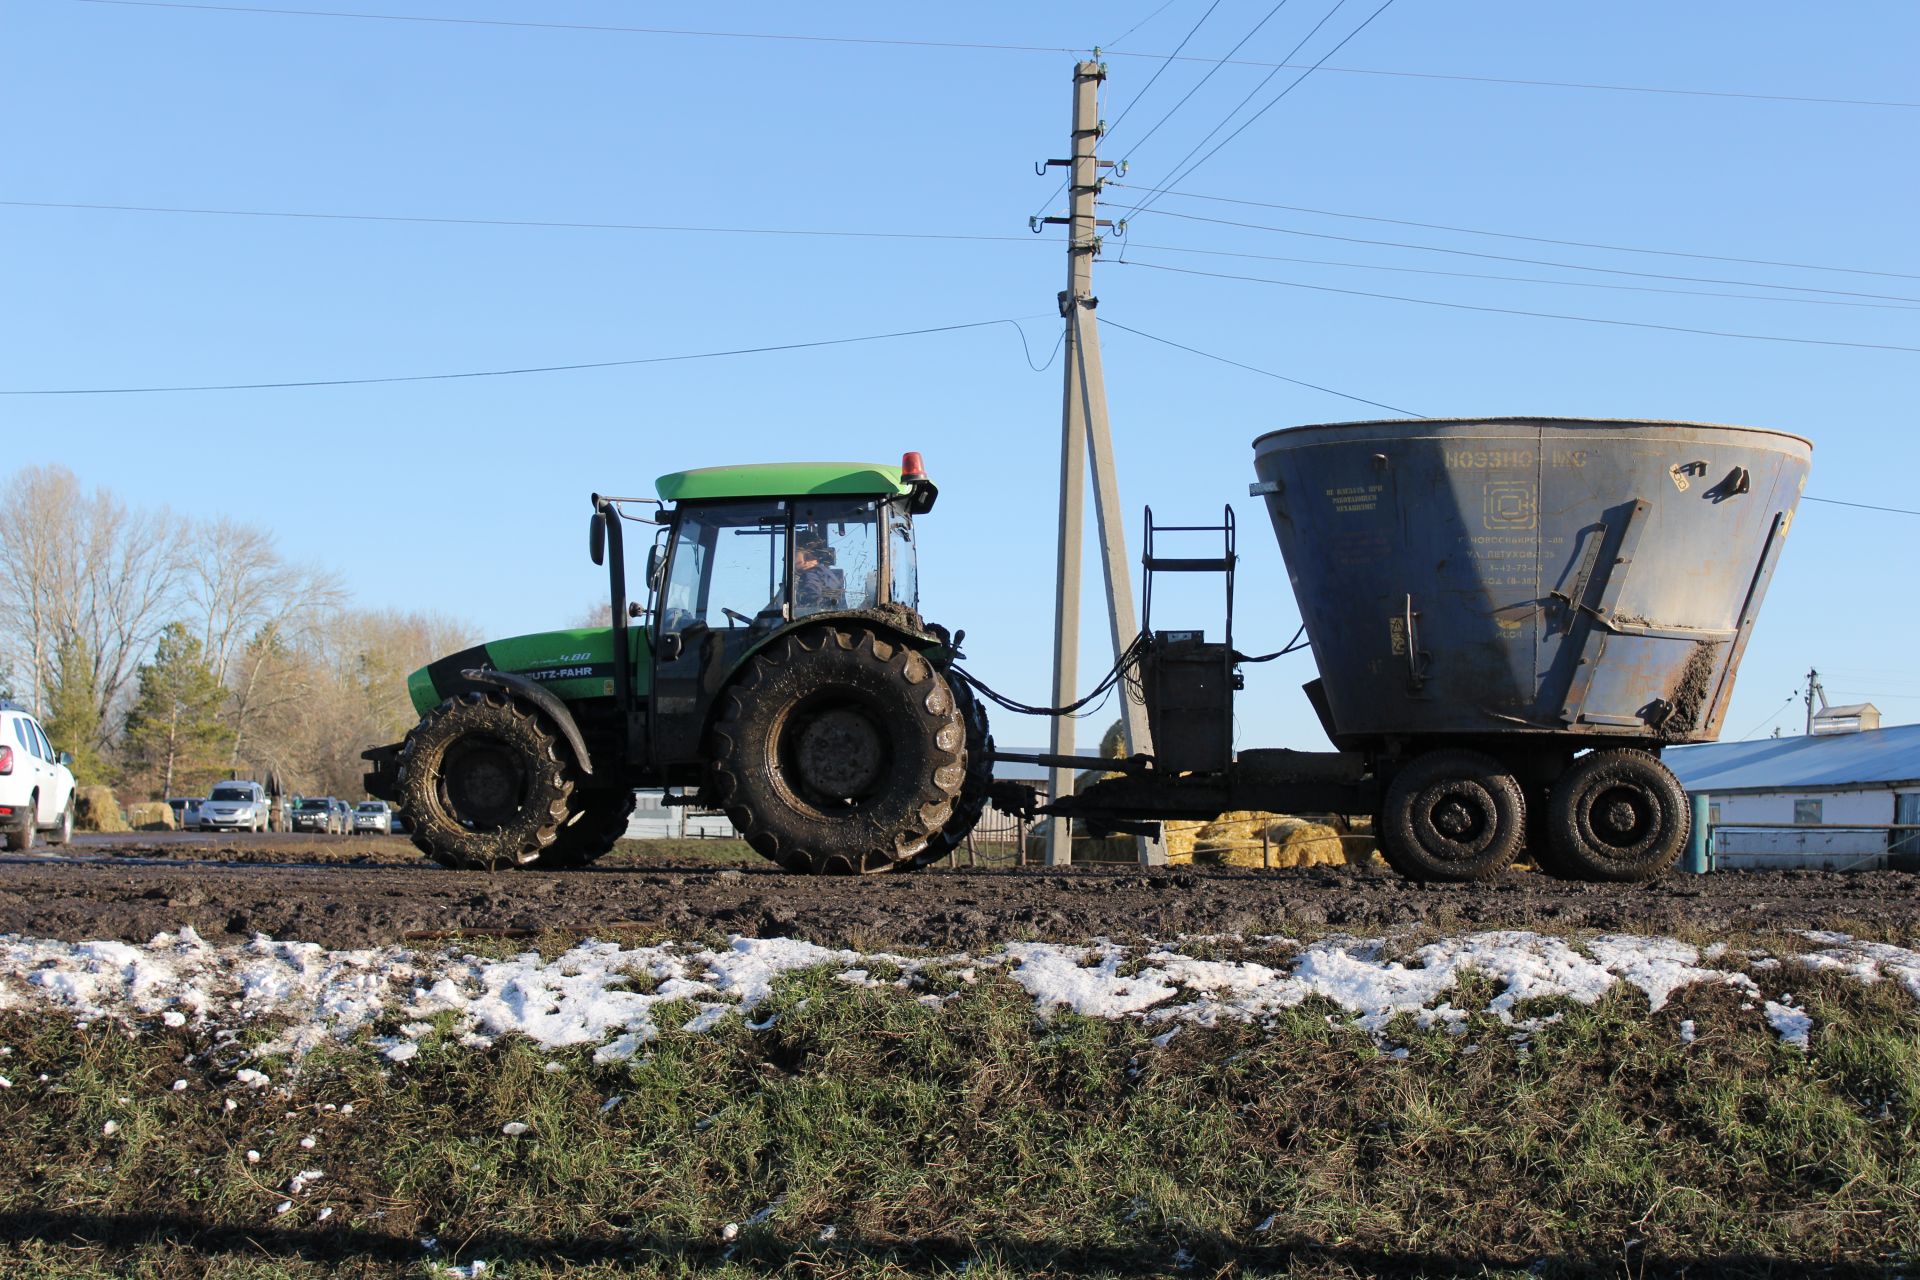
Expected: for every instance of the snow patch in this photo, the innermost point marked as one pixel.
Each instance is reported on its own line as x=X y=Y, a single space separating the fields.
x=611 y=998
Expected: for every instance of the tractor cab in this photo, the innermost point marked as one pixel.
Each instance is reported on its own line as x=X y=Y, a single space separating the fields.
x=746 y=554
x=750 y=549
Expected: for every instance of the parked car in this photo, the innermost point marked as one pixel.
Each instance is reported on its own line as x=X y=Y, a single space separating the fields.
x=373 y=816
x=235 y=806
x=36 y=787
x=186 y=810
x=323 y=814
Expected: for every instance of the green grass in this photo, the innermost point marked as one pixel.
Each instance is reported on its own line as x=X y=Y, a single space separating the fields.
x=680 y=853
x=978 y=1138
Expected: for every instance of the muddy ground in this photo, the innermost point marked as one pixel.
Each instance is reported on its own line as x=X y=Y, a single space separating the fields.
x=362 y=892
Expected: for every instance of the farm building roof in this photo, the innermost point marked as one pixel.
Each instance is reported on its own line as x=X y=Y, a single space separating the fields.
x=1872 y=757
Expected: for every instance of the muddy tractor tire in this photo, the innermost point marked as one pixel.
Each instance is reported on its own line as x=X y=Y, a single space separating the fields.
x=839 y=750
x=1452 y=815
x=484 y=783
x=975 y=788
x=1618 y=815
x=597 y=821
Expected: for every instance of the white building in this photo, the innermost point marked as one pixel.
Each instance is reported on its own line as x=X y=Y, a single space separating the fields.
x=1819 y=801
x=653 y=820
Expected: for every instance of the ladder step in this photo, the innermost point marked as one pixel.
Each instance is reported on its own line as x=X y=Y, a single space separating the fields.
x=1169 y=564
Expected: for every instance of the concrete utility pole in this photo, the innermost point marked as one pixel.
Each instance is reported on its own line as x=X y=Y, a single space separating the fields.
x=1085 y=439
x=1813 y=689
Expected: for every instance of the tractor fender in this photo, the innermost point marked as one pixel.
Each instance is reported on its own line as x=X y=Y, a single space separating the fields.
x=542 y=698
x=898 y=625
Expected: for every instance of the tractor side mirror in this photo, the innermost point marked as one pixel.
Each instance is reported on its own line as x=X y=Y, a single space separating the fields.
x=655 y=564
x=597 y=537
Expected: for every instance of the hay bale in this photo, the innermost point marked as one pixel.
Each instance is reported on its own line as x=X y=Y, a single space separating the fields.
x=1180 y=835
x=151 y=815
x=95 y=809
x=1234 y=840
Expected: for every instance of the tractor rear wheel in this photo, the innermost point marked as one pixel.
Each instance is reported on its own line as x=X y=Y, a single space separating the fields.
x=482 y=783
x=974 y=788
x=600 y=822
x=1618 y=815
x=838 y=750
x=1452 y=815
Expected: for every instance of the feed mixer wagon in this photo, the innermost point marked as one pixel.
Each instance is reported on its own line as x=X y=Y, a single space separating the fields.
x=1511 y=619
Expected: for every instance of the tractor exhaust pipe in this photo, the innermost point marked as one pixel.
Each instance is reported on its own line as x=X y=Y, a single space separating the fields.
x=608 y=538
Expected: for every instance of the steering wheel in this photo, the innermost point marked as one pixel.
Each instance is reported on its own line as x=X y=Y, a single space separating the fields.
x=735 y=616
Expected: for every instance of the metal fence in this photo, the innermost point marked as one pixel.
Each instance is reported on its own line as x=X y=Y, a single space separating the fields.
x=1768 y=846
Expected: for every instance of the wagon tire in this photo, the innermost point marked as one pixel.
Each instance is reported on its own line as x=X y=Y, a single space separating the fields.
x=1618 y=815
x=597 y=821
x=838 y=750
x=1453 y=815
x=483 y=783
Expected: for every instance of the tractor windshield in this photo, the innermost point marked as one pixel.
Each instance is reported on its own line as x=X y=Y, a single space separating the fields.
x=836 y=555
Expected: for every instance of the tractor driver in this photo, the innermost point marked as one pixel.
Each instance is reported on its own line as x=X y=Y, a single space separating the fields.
x=817 y=584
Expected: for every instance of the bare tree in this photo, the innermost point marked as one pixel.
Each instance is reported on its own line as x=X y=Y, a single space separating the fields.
x=240 y=586
x=85 y=566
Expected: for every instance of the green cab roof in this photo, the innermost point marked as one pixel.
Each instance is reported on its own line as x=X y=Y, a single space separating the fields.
x=781 y=480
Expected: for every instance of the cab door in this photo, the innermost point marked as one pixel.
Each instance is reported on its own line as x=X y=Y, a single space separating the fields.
x=725 y=592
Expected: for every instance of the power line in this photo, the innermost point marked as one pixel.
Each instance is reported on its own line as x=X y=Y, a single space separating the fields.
x=1189 y=168
x=1157 y=71
x=1144 y=21
x=1483 y=275
x=1255 y=369
x=601 y=28
x=1791 y=699
x=1253 y=93
x=1135 y=100
x=991 y=47
x=1202 y=82
x=1513 y=311
x=1865 y=506
x=1531 y=262
x=551 y=368
x=551 y=224
x=513 y=222
x=1577 y=84
x=1511 y=235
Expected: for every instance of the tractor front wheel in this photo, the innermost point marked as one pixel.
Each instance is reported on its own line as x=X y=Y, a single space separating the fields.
x=483 y=784
x=839 y=751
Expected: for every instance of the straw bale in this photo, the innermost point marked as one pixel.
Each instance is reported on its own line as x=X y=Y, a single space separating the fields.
x=151 y=815
x=95 y=809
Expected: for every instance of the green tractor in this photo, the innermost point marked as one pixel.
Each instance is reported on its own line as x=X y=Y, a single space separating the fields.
x=778 y=669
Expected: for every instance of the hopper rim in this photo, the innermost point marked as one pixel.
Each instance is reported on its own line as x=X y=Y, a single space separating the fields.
x=1538 y=419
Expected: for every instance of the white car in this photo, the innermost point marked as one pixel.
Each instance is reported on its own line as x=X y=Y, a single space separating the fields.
x=36 y=788
x=234 y=806
x=374 y=816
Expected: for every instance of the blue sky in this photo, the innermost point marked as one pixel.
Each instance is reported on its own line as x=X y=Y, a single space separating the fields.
x=469 y=496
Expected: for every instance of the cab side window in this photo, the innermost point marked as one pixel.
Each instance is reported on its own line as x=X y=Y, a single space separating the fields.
x=47 y=752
